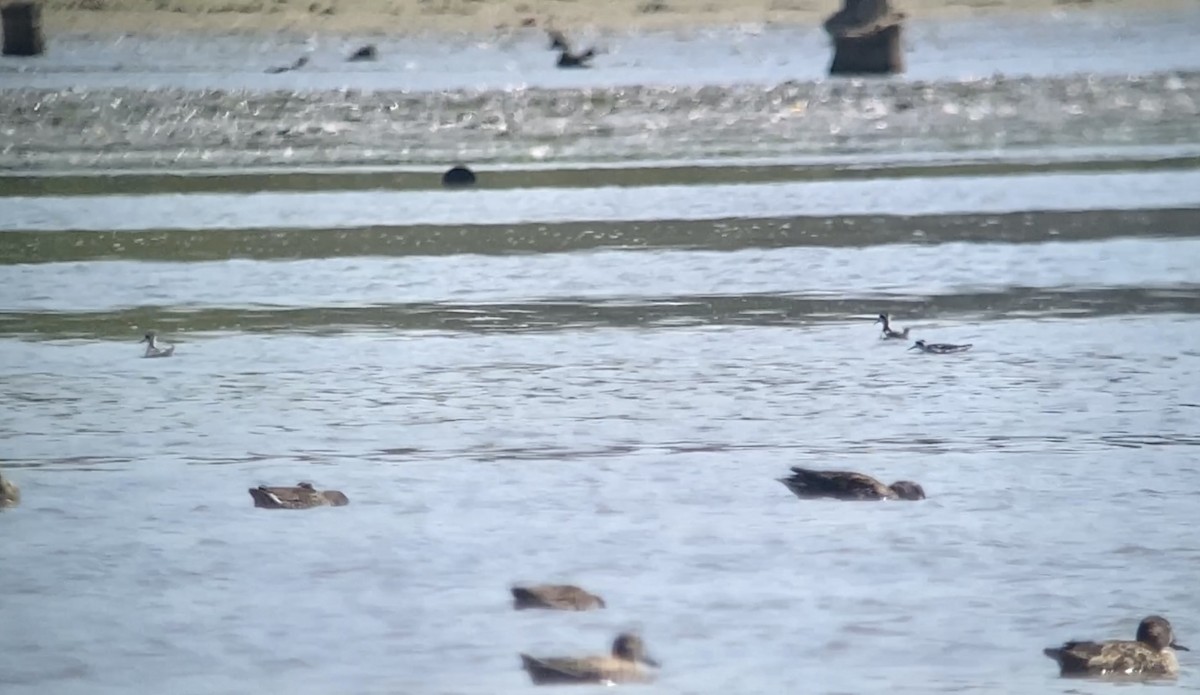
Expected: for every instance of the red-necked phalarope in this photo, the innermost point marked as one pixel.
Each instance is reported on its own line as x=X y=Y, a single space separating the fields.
x=888 y=333
x=806 y=483
x=1152 y=654
x=155 y=348
x=939 y=348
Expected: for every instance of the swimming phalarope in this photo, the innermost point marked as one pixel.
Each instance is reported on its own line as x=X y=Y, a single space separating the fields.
x=939 y=348
x=155 y=348
x=888 y=333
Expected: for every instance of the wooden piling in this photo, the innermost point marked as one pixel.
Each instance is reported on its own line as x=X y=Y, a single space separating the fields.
x=866 y=39
x=22 y=29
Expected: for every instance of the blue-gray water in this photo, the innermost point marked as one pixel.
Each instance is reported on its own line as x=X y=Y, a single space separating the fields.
x=593 y=370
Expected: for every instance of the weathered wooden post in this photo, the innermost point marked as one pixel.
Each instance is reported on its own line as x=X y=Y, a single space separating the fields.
x=866 y=38
x=22 y=29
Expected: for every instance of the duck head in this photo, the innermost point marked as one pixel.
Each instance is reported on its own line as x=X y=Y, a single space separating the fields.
x=919 y=345
x=629 y=647
x=908 y=490
x=1155 y=631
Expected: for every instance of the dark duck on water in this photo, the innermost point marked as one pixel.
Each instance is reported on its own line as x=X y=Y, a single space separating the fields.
x=807 y=483
x=1151 y=654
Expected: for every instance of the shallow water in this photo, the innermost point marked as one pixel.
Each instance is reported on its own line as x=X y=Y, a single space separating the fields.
x=594 y=371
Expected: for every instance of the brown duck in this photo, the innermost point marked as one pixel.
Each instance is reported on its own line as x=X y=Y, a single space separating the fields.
x=562 y=597
x=806 y=483
x=623 y=666
x=303 y=496
x=1151 y=654
x=10 y=495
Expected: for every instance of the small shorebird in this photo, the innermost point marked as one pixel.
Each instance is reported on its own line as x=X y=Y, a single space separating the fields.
x=1151 y=654
x=563 y=597
x=10 y=494
x=303 y=496
x=567 y=59
x=624 y=666
x=155 y=348
x=888 y=333
x=939 y=348
x=806 y=483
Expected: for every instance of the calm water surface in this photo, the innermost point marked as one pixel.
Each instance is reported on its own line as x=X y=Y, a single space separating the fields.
x=595 y=376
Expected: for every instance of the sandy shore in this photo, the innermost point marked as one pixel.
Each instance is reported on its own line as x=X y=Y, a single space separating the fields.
x=487 y=16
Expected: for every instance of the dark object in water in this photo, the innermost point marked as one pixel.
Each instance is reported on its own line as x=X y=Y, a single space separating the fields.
x=22 y=29
x=806 y=483
x=458 y=177
x=866 y=38
x=303 y=496
x=562 y=597
x=300 y=62
x=567 y=59
x=367 y=52
x=1151 y=654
